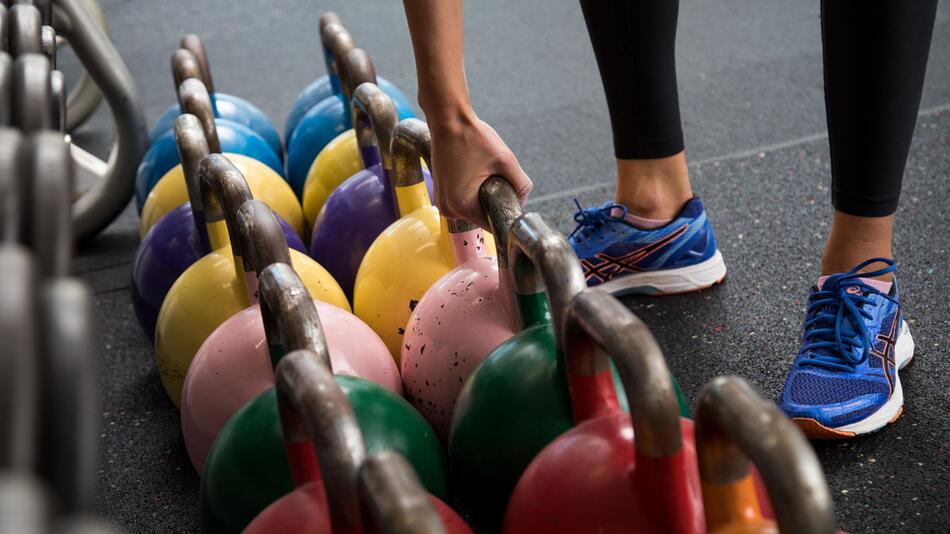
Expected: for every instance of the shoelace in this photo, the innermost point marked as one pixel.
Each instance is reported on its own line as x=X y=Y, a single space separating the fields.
x=589 y=219
x=837 y=326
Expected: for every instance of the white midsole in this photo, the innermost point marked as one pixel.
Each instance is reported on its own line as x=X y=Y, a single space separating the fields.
x=680 y=280
x=903 y=354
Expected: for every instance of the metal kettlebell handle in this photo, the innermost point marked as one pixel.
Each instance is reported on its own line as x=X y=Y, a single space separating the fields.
x=49 y=202
x=32 y=96
x=396 y=499
x=184 y=65
x=223 y=191
x=262 y=239
x=734 y=425
x=195 y=99
x=357 y=70
x=542 y=260
x=310 y=400
x=192 y=148
x=374 y=118
x=336 y=41
x=71 y=343
x=25 y=29
x=501 y=207
x=599 y=328
x=328 y=17
x=192 y=43
x=290 y=318
x=411 y=140
x=112 y=180
x=19 y=379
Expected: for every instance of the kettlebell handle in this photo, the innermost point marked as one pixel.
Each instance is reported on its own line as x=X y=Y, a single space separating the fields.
x=25 y=29
x=501 y=207
x=395 y=497
x=290 y=318
x=192 y=148
x=184 y=65
x=374 y=118
x=735 y=425
x=49 y=202
x=540 y=259
x=262 y=240
x=332 y=30
x=223 y=191
x=32 y=95
x=19 y=378
x=196 y=100
x=357 y=69
x=312 y=405
x=192 y=43
x=598 y=328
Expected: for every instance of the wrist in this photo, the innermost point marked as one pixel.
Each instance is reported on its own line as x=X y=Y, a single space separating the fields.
x=449 y=116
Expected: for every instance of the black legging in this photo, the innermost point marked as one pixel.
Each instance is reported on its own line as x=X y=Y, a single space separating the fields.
x=875 y=55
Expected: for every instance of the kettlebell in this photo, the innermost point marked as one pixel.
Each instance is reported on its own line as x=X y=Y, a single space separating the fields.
x=221 y=283
x=464 y=316
x=171 y=192
x=351 y=486
x=524 y=378
x=334 y=40
x=413 y=252
x=249 y=466
x=180 y=237
x=162 y=154
x=364 y=205
x=225 y=106
x=232 y=365
x=327 y=127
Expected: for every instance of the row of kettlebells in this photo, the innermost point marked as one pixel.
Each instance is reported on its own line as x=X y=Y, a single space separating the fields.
x=49 y=379
x=472 y=333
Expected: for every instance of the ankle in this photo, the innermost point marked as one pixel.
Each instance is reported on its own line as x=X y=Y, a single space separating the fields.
x=654 y=188
x=854 y=239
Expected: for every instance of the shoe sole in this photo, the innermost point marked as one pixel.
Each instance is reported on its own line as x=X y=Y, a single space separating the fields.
x=887 y=414
x=670 y=281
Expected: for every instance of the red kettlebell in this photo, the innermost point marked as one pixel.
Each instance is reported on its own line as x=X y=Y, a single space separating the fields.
x=613 y=472
x=312 y=405
x=465 y=315
x=734 y=425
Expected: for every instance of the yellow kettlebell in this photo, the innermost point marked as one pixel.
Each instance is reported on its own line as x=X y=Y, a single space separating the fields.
x=413 y=252
x=171 y=190
x=340 y=159
x=222 y=283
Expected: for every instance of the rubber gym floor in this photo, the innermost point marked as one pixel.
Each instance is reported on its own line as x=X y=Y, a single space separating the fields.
x=750 y=81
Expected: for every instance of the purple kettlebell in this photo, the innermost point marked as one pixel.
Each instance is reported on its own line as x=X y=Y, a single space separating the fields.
x=365 y=204
x=179 y=238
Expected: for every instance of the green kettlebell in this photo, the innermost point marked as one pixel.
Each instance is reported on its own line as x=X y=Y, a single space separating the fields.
x=247 y=468
x=517 y=401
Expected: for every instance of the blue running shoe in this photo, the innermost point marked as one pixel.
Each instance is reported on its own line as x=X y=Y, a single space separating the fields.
x=676 y=258
x=844 y=381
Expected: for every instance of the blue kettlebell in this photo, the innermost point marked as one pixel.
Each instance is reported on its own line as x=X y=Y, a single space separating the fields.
x=225 y=106
x=332 y=36
x=331 y=116
x=235 y=138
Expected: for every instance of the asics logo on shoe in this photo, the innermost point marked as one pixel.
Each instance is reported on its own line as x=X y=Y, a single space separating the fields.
x=602 y=266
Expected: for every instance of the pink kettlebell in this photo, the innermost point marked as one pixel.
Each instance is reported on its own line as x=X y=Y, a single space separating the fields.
x=463 y=316
x=234 y=364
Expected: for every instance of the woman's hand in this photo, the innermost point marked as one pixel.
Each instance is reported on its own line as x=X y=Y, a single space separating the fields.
x=465 y=152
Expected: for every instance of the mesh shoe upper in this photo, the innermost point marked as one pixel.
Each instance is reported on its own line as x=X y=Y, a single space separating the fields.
x=845 y=370
x=609 y=246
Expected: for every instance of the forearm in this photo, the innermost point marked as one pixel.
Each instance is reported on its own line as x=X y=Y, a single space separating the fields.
x=438 y=44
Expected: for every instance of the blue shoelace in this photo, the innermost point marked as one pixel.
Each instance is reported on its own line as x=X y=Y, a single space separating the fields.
x=837 y=319
x=590 y=219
